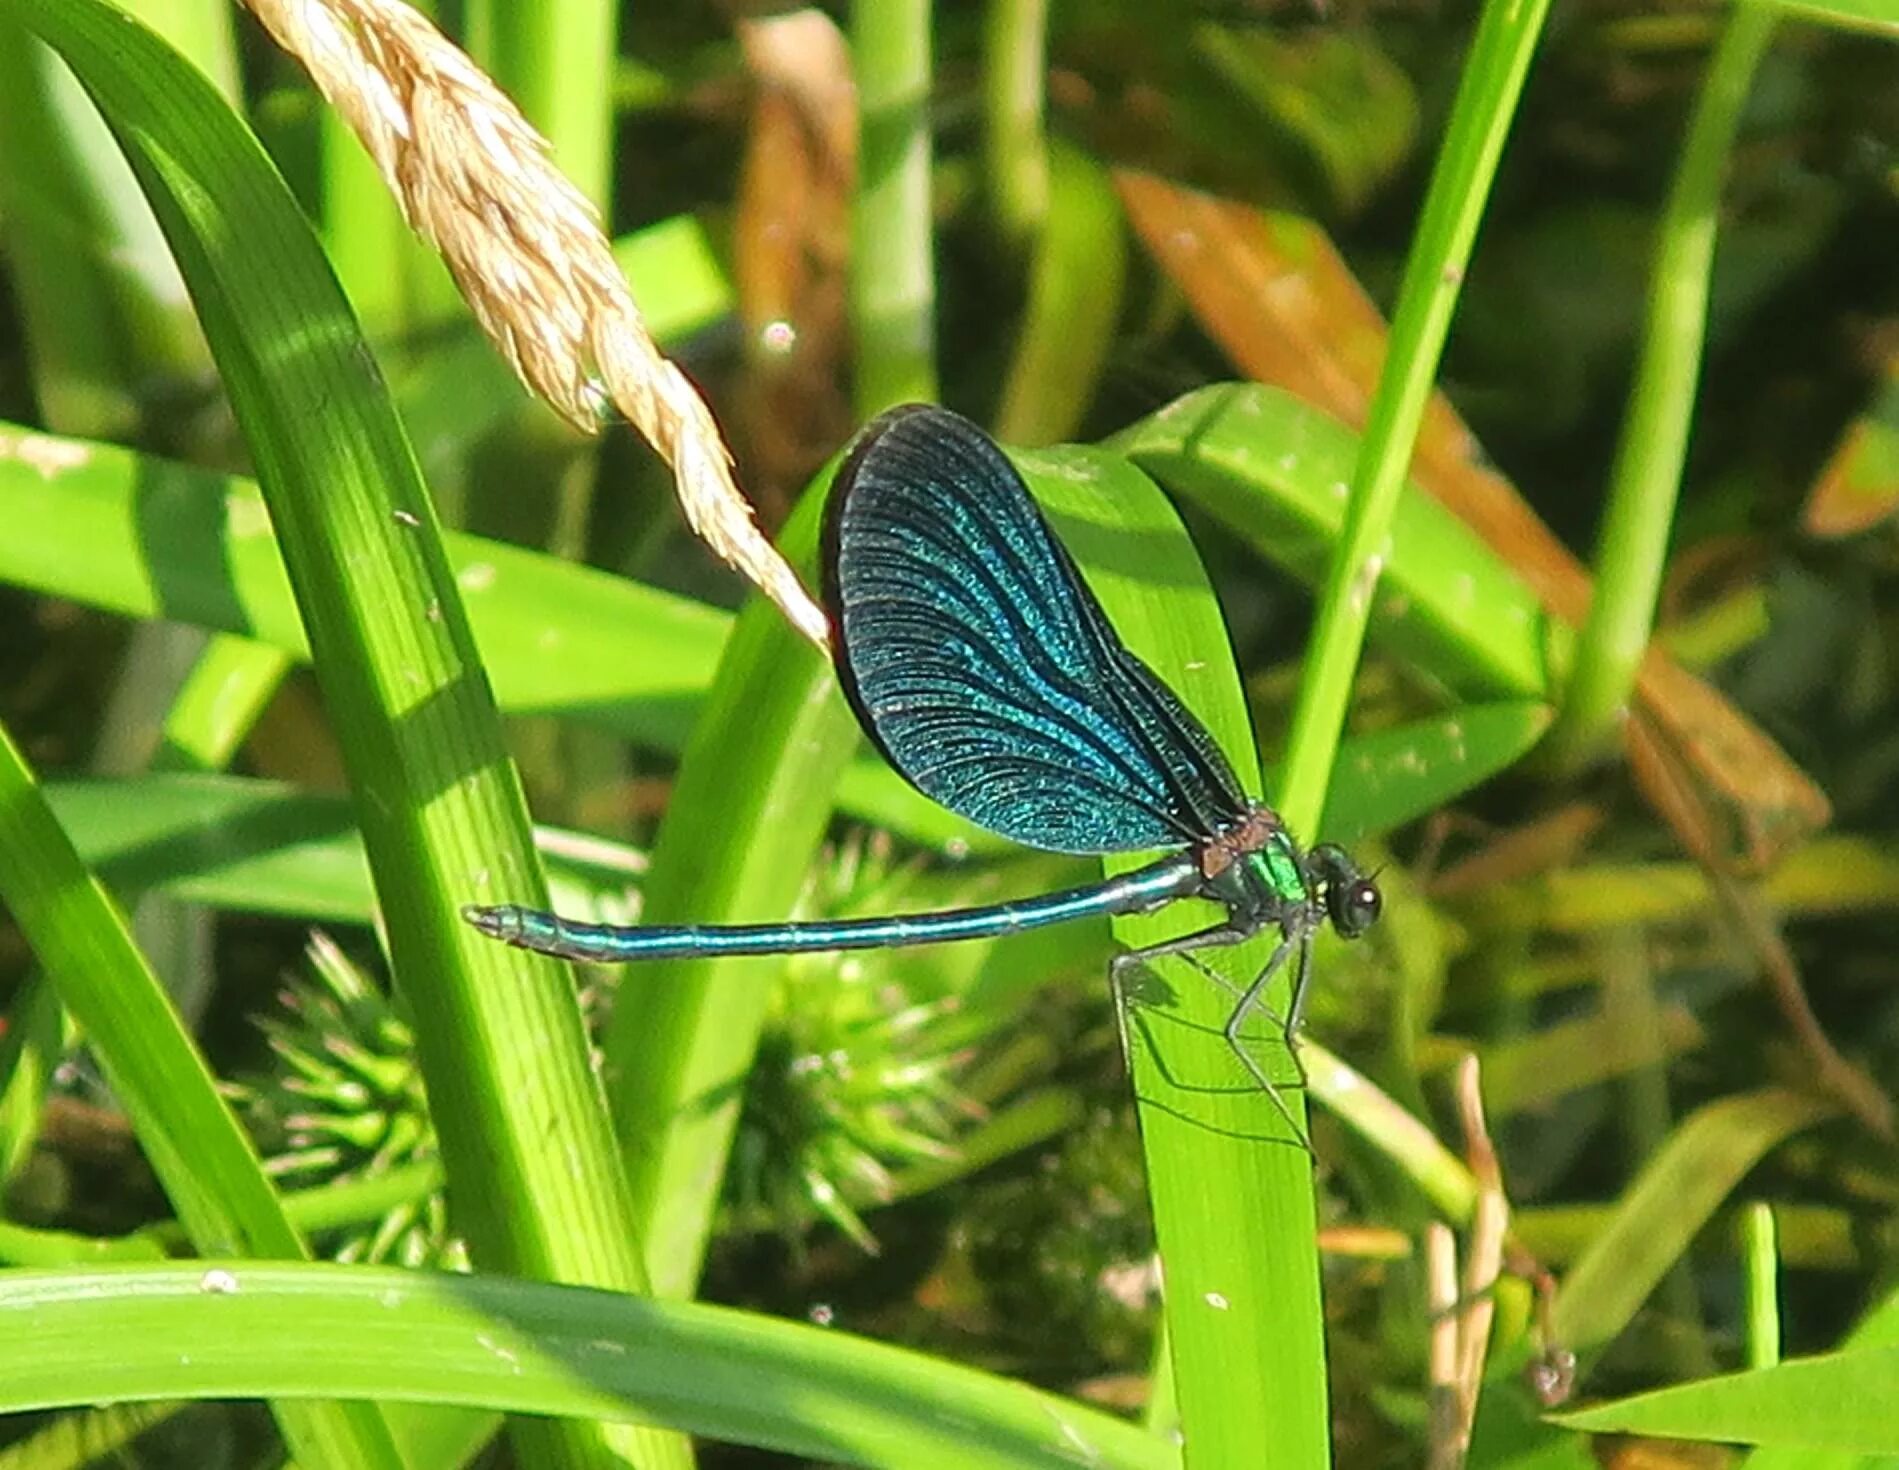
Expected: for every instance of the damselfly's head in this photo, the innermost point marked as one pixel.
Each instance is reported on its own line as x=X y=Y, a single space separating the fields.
x=1352 y=899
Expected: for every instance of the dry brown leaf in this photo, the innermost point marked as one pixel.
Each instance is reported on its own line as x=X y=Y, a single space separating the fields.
x=1272 y=291
x=791 y=245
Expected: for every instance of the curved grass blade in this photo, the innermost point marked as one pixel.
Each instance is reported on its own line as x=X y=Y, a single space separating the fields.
x=148 y=537
x=208 y=1168
x=1273 y=470
x=1391 y=777
x=1233 y=1197
x=1836 y=1402
x=264 y=847
x=523 y=1131
x=111 y=1334
x=1673 y=1197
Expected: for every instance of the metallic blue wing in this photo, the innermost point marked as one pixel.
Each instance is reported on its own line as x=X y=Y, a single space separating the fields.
x=983 y=668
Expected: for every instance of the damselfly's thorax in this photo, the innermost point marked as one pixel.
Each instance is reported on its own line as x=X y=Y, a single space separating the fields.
x=1261 y=875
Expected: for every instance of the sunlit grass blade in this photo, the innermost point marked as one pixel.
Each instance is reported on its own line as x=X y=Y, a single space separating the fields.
x=201 y=1155
x=1436 y=263
x=1232 y=1193
x=523 y=1128
x=264 y=847
x=228 y=687
x=1389 y=777
x=1761 y=1263
x=1838 y=1401
x=1274 y=471
x=1638 y=522
x=537 y=1349
x=893 y=245
x=1075 y=289
x=150 y=538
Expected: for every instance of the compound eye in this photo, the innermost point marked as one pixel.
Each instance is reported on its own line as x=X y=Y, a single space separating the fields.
x=1354 y=906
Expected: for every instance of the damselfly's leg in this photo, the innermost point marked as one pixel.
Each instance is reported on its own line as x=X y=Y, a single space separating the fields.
x=1253 y=997
x=1250 y=1001
x=1289 y=1030
x=1216 y=937
x=1296 y=1005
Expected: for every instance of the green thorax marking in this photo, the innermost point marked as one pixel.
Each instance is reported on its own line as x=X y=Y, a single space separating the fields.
x=1277 y=865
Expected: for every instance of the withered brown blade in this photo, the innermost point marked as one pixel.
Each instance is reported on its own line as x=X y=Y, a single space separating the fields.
x=1274 y=294
x=1554 y=840
x=1859 y=487
x=791 y=247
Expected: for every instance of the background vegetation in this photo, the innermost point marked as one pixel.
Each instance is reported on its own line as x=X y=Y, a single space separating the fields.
x=276 y=552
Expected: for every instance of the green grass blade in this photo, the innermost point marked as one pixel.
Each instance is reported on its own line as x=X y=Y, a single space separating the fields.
x=556 y=62
x=748 y=809
x=1677 y=1191
x=1015 y=148
x=202 y=1157
x=893 y=249
x=1646 y=480
x=1492 y=81
x=111 y=1335
x=31 y=1051
x=523 y=1129
x=1232 y=1193
x=264 y=847
x=213 y=711
x=105 y=319
x=1391 y=777
x=676 y=277
x=1760 y=1264
x=1075 y=286
x=1413 y=1149
x=149 y=538
x=91 y=1437
x=376 y=256
x=1274 y=471
x=1836 y=1402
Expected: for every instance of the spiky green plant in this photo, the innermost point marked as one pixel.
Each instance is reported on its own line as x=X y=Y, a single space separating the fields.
x=346 y=1102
